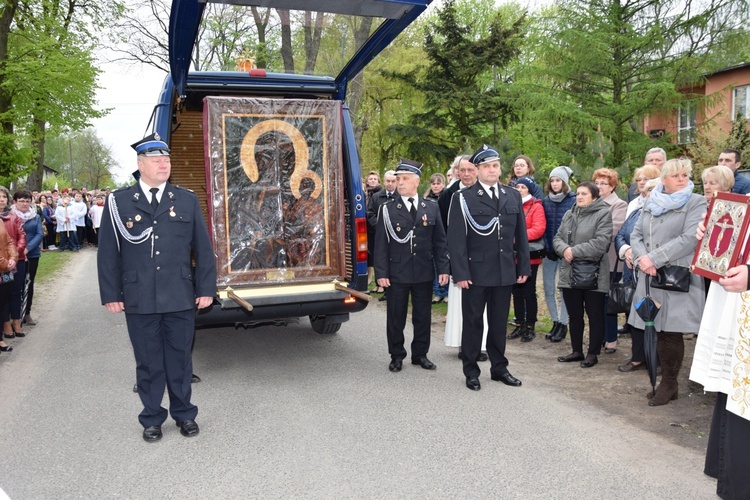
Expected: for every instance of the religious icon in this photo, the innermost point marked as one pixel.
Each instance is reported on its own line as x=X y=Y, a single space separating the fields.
x=723 y=245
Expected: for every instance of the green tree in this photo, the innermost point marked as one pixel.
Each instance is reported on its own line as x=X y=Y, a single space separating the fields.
x=465 y=100
x=610 y=62
x=81 y=159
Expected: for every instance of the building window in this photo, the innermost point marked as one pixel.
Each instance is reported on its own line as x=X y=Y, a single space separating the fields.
x=741 y=97
x=686 y=123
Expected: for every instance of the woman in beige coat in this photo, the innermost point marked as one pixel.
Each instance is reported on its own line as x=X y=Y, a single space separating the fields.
x=665 y=235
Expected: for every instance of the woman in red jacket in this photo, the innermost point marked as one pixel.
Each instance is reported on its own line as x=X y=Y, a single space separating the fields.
x=524 y=295
x=14 y=227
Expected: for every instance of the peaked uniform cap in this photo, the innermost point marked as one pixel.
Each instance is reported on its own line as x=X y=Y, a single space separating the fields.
x=409 y=167
x=483 y=155
x=151 y=146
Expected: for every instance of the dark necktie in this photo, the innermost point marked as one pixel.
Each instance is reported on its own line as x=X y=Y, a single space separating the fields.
x=413 y=209
x=154 y=201
x=494 y=195
x=388 y=196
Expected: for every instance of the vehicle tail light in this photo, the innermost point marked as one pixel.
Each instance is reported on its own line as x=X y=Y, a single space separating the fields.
x=350 y=300
x=361 y=225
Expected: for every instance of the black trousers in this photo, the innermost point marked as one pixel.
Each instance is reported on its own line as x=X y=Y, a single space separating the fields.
x=162 y=347
x=727 y=458
x=639 y=354
x=592 y=302
x=524 y=299
x=473 y=302
x=421 y=318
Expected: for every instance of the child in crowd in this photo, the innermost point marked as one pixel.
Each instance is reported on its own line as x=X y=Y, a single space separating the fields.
x=97 y=208
x=66 y=228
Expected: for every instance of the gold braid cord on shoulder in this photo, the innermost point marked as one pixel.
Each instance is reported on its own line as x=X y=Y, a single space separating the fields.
x=301 y=154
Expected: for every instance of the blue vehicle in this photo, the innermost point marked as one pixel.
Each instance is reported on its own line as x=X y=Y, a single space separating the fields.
x=271 y=154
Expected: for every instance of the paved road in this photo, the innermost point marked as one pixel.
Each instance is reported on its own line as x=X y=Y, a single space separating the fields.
x=287 y=413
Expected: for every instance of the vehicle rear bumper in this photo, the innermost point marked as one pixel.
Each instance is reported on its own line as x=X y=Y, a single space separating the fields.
x=227 y=311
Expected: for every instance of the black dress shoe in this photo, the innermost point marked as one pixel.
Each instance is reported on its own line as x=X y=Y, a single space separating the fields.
x=382 y=299
x=573 y=356
x=19 y=334
x=152 y=433
x=482 y=356
x=517 y=332
x=562 y=330
x=6 y=348
x=424 y=363
x=473 y=383
x=188 y=428
x=396 y=365
x=507 y=379
x=195 y=379
x=591 y=360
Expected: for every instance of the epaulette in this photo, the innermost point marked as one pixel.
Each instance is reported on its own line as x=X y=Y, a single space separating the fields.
x=183 y=188
x=432 y=200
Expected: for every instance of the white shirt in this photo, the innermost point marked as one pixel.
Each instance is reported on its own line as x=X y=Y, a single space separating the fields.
x=406 y=201
x=147 y=190
x=487 y=189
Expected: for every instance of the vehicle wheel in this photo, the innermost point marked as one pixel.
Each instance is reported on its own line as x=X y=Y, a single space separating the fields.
x=319 y=325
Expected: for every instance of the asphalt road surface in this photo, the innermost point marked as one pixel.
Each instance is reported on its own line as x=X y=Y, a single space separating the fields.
x=287 y=413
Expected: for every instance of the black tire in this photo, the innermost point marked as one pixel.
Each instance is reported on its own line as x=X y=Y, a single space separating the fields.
x=319 y=325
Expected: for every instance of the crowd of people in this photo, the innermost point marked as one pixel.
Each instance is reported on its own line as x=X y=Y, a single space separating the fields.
x=585 y=239
x=36 y=222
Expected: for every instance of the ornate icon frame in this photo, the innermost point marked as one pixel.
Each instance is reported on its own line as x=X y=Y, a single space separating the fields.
x=723 y=206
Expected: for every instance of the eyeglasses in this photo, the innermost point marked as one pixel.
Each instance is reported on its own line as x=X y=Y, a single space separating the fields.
x=600 y=184
x=23 y=200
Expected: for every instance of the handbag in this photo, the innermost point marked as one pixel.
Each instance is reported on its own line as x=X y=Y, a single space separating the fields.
x=537 y=248
x=584 y=274
x=620 y=296
x=672 y=278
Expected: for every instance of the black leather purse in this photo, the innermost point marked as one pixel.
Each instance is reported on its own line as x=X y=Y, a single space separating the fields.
x=673 y=278
x=620 y=295
x=584 y=274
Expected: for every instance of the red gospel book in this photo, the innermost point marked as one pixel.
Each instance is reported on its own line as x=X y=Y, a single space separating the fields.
x=724 y=244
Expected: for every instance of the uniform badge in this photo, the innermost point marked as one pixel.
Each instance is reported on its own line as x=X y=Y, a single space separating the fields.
x=129 y=224
x=423 y=205
x=398 y=229
x=398 y=206
x=171 y=195
x=480 y=192
x=502 y=190
x=136 y=196
x=171 y=212
x=138 y=217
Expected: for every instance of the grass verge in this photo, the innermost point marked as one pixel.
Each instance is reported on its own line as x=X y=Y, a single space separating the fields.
x=49 y=264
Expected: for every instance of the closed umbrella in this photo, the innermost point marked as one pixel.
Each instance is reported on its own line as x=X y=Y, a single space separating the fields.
x=647 y=308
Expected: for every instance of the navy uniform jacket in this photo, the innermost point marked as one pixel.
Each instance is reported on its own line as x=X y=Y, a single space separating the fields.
x=410 y=263
x=164 y=282
x=499 y=258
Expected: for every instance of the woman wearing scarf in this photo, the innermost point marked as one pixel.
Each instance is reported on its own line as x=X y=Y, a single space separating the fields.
x=665 y=235
x=32 y=226
x=14 y=227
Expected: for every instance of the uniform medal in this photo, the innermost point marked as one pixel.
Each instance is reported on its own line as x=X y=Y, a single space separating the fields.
x=171 y=212
x=138 y=218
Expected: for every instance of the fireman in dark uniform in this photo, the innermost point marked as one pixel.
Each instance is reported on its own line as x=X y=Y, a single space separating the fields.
x=409 y=244
x=149 y=236
x=489 y=253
